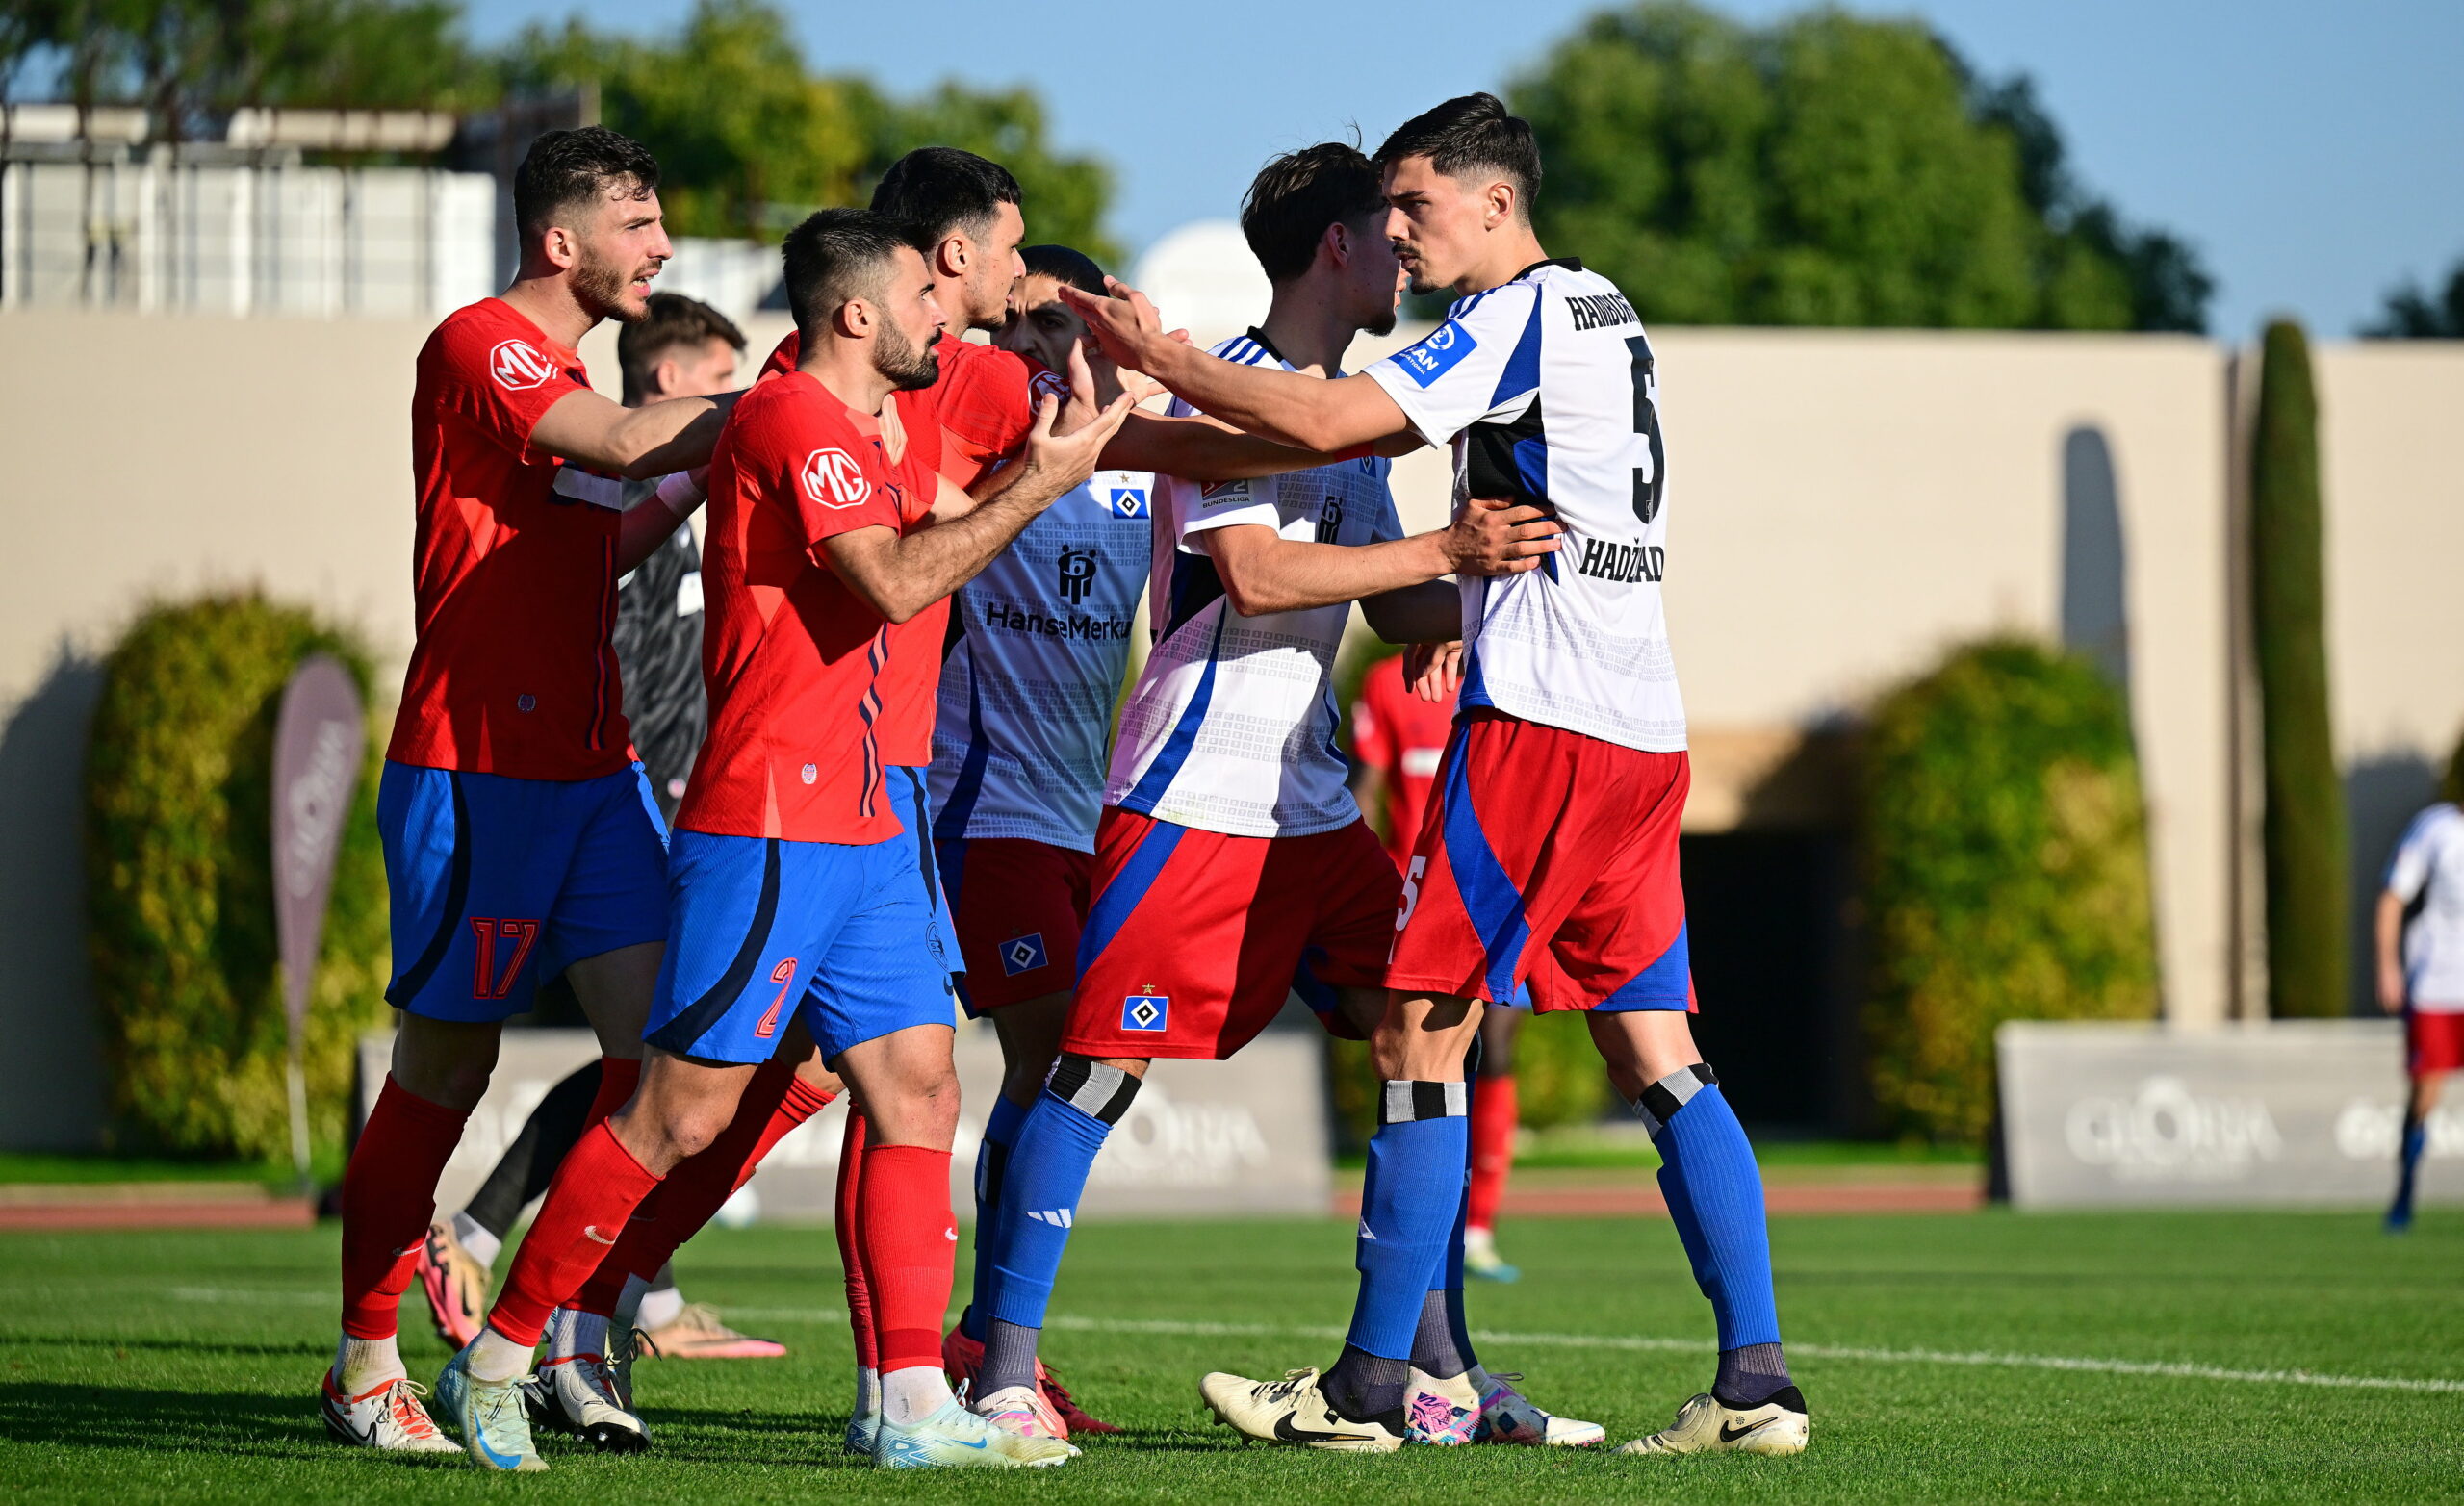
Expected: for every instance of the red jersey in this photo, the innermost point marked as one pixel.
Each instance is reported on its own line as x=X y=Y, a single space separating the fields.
x=798 y=665
x=1402 y=737
x=993 y=396
x=514 y=567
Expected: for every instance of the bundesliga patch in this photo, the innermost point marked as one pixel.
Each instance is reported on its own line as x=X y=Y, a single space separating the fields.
x=1436 y=356
x=1129 y=501
x=1219 y=494
x=1022 y=953
x=1145 y=1012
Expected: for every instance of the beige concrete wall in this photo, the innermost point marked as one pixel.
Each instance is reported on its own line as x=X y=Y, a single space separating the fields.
x=1847 y=505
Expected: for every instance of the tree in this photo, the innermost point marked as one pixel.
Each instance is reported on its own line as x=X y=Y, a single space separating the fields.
x=2410 y=314
x=1064 y=194
x=1828 y=169
x=2304 y=834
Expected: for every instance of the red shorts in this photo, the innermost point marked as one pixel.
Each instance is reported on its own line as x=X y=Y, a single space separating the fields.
x=1195 y=937
x=1017 y=906
x=2433 y=1042
x=1549 y=859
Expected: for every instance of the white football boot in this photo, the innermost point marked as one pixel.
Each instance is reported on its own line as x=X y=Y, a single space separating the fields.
x=385 y=1415
x=1508 y=1416
x=584 y=1396
x=491 y=1416
x=1439 y=1411
x=1705 y=1425
x=1020 y=1410
x=954 y=1438
x=1294 y=1410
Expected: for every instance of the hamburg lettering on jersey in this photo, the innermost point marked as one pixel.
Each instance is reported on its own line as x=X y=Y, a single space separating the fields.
x=1601 y=310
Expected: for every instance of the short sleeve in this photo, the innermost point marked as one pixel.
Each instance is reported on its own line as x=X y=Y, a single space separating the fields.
x=835 y=478
x=503 y=381
x=1468 y=366
x=2408 y=871
x=1232 y=504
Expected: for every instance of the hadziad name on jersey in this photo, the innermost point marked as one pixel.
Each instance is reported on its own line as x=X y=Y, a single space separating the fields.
x=1627 y=562
x=1601 y=310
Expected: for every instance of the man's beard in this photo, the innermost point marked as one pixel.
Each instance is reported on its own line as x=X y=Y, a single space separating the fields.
x=1422 y=287
x=1383 y=323
x=908 y=366
x=599 y=287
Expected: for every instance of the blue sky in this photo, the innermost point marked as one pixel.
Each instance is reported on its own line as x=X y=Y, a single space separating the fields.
x=2313 y=153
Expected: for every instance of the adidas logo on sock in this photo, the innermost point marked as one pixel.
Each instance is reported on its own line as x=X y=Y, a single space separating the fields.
x=1057 y=1217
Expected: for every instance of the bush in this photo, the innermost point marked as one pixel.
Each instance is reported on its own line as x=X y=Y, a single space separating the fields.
x=2304 y=836
x=180 y=897
x=2006 y=858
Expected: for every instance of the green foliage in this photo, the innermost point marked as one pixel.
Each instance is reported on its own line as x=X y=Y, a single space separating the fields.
x=750 y=139
x=2305 y=839
x=180 y=897
x=1828 y=169
x=2412 y=314
x=2006 y=854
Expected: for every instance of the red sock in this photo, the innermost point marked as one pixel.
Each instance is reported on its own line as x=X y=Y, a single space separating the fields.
x=773 y=1103
x=850 y=1243
x=389 y=1195
x=1492 y=1121
x=911 y=1250
x=595 y=1192
x=618 y=1077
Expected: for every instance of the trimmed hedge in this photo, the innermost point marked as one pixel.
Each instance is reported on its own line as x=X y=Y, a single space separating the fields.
x=2006 y=874
x=180 y=890
x=2305 y=836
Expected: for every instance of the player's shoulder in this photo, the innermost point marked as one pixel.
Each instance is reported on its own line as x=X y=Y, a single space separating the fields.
x=795 y=409
x=488 y=344
x=2442 y=822
x=1244 y=349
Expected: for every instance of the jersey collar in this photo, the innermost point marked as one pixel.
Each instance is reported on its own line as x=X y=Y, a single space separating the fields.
x=1259 y=337
x=1571 y=264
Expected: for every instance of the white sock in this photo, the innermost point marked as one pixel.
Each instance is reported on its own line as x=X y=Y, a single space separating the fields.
x=362 y=1364
x=868 y=1391
x=911 y=1395
x=659 y=1307
x=497 y=1358
x=572 y=1332
x=630 y=1303
x=484 y=1247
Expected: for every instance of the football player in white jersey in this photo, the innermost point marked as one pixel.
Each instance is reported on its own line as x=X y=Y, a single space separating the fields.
x=1231 y=863
x=1039 y=645
x=1549 y=854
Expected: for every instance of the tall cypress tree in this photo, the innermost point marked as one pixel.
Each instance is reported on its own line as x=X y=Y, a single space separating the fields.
x=2305 y=836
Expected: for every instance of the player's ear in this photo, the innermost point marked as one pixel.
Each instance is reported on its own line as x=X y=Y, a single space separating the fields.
x=1501 y=208
x=854 y=318
x=560 y=246
x=951 y=257
x=1337 y=241
x=666 y=376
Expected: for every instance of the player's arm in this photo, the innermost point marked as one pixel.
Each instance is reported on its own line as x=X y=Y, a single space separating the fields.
x=901 y=575
x=1431 y=612
x=1264 y=572
x=652 y=439
x=1305 y=412
x=652 y=521
x=2388 y=931
x=1201 y=449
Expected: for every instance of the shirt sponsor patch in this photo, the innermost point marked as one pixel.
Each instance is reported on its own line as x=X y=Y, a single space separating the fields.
x=1223 y=494
x=831 y=479
x=1436 y=354
x=1145 y=1012
x=519 y=366
x=1023 y=955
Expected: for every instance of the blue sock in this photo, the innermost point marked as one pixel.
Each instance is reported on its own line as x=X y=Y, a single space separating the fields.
x=1049 y=1160
x=1409 y=1201
x=1714 y=1193
x=2416 y=1138
x=991 y=1159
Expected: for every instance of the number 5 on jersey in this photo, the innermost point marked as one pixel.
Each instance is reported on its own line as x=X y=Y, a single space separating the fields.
x=1648 y=482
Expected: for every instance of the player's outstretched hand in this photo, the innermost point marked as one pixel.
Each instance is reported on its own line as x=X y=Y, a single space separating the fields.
x=1499 y=538
x=1121 y=323
x=1434 y=670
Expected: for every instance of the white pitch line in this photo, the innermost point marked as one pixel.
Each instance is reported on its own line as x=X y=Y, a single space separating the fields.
x=2083 y=1364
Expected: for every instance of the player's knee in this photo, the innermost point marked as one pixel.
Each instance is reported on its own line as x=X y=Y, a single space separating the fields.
x=1099 y=1090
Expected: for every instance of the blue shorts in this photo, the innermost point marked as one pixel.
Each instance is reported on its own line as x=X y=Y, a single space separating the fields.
x=908 y=798
x=497 y=883
x=769 y=931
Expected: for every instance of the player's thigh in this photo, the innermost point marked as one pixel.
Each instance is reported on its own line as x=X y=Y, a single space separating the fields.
x=610 y=915
x=1018 y=907
x=473 y=866
x=1030 y=1031
x=908 y=1084
x=1184 y=953
x=1424 y=1038
x=1642 y=1046
x=446 y=1062
x=750 y=917
x=678 y=1109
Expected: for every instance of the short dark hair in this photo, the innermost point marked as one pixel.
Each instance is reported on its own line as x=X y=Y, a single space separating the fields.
x=563 y=168
x=937 y=190
x=1295 y=196
x=673 y=320
x=1469 y=133
x=1066 y=264
x=836 y=255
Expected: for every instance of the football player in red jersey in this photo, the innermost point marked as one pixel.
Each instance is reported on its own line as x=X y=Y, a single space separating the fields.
x=519 y=840
x=792 y=892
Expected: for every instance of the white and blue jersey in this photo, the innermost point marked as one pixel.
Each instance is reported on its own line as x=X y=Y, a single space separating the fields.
x=1231 y=728
x=1547 y=389
x=1027 y=694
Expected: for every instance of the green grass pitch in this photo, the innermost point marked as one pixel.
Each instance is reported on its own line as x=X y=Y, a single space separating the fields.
x=154 y=1366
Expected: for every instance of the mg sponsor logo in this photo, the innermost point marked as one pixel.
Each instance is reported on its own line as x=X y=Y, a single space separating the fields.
x=831 y=479
x=519 y=366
